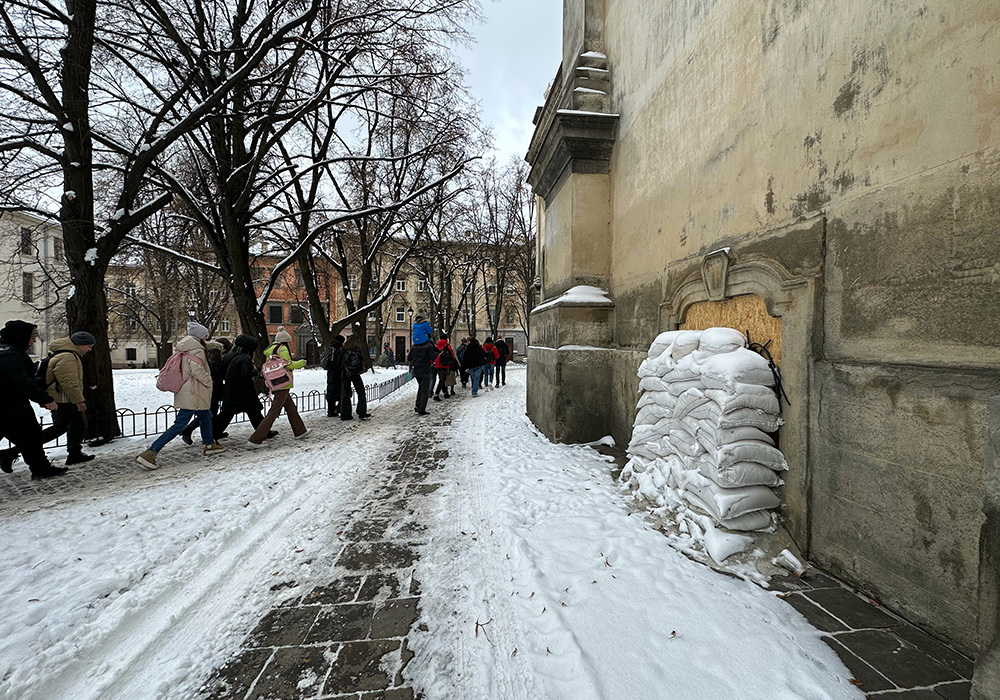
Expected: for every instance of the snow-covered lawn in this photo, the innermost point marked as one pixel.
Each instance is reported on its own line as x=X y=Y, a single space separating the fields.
x=138 y=588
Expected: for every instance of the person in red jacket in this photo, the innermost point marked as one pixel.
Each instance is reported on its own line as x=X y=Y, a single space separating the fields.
x=444 y=363
x=491 y=352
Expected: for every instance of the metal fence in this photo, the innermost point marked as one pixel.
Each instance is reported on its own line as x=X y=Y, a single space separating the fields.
x=146 y=423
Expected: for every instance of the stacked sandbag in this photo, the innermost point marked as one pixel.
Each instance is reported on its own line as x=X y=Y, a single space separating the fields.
x=701 y=433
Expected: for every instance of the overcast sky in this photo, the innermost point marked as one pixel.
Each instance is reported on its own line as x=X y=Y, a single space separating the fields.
x=516 y=55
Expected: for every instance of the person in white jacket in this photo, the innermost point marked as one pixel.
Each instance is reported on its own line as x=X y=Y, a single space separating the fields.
x=193 y=399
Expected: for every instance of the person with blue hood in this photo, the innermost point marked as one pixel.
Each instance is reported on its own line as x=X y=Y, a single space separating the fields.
x=17 y=419
x=422 y=330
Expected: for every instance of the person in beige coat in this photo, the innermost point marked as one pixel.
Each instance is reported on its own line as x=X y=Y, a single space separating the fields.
x=193 y=399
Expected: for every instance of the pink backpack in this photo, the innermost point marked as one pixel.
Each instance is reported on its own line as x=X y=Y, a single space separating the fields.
x=171 y=375
x=274 y=372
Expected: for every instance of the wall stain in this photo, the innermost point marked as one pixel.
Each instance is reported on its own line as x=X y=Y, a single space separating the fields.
x=769 y=197
x=868 y=77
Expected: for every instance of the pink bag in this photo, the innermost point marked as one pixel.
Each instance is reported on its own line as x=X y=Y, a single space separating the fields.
x=171 y=375
x=274 y=372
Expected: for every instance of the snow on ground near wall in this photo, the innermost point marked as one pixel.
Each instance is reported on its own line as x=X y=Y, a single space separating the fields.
x=139 y=589
x=576 y=599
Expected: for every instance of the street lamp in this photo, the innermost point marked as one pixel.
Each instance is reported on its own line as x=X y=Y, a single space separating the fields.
x=409 y=314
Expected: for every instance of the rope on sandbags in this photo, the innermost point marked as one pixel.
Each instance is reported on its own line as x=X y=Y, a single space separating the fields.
x=762 y=350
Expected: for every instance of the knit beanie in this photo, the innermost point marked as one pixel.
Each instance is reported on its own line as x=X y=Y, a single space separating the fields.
x=18 y=333
x=196 y=330
x=82 y=338
x=246 y=342
x=282 y=336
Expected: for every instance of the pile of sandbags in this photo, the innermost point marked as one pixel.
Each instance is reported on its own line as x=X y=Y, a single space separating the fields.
x=701 y=435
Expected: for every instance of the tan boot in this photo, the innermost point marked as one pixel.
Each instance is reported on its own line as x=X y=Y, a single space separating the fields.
x=148 y=460
x=213 y=449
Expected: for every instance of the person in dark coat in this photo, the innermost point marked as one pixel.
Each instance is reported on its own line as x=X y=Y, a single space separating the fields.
x=334 y=368
x=460 y=353
x=421 y=359
x=353 y=364
x=240 y=390
x=17 y=419
x=503 y=354
x=214 y=352
x=474 y=360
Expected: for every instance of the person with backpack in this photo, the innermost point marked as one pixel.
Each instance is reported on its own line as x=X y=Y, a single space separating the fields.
x=421 y=360
x=240 y=393
x=474 y=359
x=422 y=331
x=334 y=367
x=187 y=374
x=490 y=351
x=214 y=350
x=61 y=375
x=503 y=354
x=277 y=371
x=17 y=419
x=352 y=366
x=444 y=363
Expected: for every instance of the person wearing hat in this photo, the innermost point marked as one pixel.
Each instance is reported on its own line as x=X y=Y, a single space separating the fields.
x=240 y=392
x=214 y=351
x=281 y=398
x=193 y=399
x=17 y=419
x=64 y=380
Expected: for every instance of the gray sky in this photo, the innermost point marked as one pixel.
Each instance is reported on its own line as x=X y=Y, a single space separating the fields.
x=516 y=55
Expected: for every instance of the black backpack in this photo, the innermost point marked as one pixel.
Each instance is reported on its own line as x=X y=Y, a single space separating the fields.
x=43 y=369
x=352 y=362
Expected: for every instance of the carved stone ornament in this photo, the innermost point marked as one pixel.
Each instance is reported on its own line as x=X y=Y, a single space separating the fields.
x=715 y=273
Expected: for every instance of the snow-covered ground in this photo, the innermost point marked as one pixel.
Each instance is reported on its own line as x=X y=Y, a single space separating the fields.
x=138 y=588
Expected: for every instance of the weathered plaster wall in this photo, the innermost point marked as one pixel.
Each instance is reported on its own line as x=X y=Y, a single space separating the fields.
x=882 y=120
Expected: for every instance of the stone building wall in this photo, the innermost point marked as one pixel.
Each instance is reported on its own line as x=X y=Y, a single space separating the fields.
x=846 y=153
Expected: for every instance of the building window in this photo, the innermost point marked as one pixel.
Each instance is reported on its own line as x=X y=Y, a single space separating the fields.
x=27 y=287
x=466 y=316
x=25 y=241
x=352 y=281
x=491 y=289
x=299 y=281
x=224 y=325
x=130 y=355
x=401 y=285
x=421 y=285
x=275 y=313
x=57 y=249
x=130 y=289
x=131 y=325
x=400 y=314
x=297 y=315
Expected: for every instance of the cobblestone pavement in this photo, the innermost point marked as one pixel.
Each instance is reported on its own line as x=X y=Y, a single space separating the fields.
x=346 y=639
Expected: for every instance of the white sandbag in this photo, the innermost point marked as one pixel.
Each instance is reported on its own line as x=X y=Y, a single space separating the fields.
x=750 y=451
x=730 y=503
x=652 y=384
x=719 y=545
x=645 y=400
x=645 y=369
x=719 y=340
x=741 y=417
x=688 y=401
x=712 y=438
x=647 y=488
x=766 y=400
x=738 y=474
x=685 y=343
x=755 y=520
x=678 y=388
x=663 y=398
x=740 y=365
x=662 y=342
x=635 y=464
x=662 y=364
x=685 y=443
x=649 y=415
x=684 y=371
x=642 y=450
x=661 y=448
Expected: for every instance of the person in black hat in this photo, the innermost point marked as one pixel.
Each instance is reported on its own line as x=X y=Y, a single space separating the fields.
x=17 y=419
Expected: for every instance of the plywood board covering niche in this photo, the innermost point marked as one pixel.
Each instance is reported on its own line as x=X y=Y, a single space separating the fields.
x=744 y=313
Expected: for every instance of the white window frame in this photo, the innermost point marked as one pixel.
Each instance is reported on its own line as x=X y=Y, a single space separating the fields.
x=224 y=325
x=401 y=285
x=421 y=285
x=352 y=281
x=400 y=314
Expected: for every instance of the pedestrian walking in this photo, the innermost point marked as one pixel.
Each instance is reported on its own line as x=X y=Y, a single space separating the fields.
x=352 y=366
x=503 y=354
x=17 y=419
x=490 y=351
x=444 y=363
x=214 y=350
x=421 y=366
x=240 y=388
x=460 y=354
x=62 y=375
x=192 y=399
x=281 y=398
x=334 y=367
x=474 y=359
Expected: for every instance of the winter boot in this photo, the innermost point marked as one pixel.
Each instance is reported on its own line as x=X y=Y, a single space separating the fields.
x=7 y=459
x=213 y=449
x=148 y=460
x=78 y=458
x=47 y=472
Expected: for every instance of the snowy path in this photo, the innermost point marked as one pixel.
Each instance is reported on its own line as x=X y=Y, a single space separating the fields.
x=138 y=585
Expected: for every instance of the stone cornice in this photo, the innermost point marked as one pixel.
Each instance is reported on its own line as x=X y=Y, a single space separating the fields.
x=579 y=141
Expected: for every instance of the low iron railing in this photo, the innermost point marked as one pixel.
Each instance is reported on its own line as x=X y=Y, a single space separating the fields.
x=153 y=422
